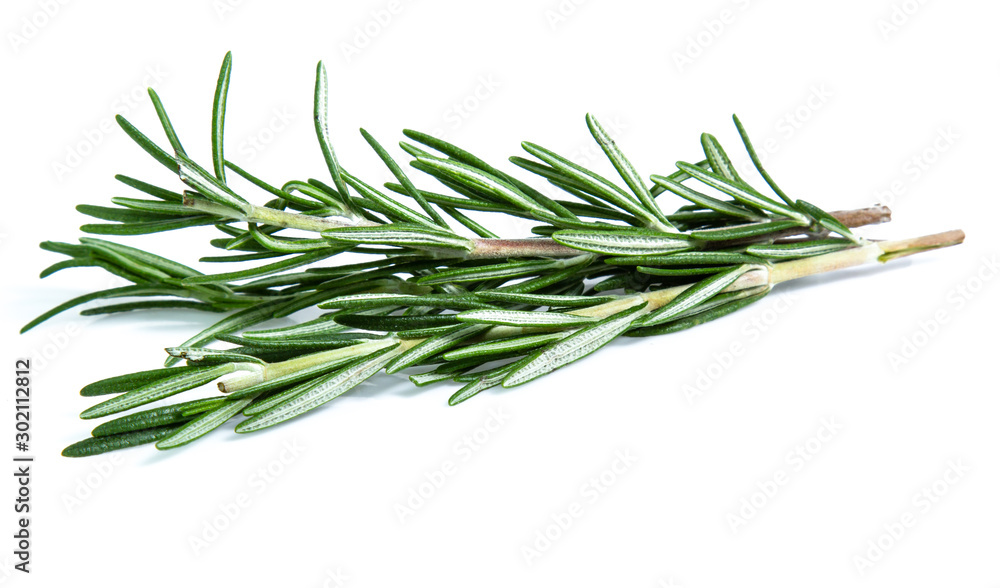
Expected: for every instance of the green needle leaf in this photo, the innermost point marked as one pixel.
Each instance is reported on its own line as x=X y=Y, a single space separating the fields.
x=157 y=391
x=155 y=191
x=434 y=345
x=124 y=383
x=65 y=264
x=156 y=417
x=100 y=294
x=453 y=151
x=264 y=270
x=318 y=195
x=244 y=257
x=219 y=117
x=399 y=235
x=827 y=221
x=697 y=294
x=699 y=318
x=329 y=388
x=554 y=300
x=798 y=250
x=200 y=354
x=320 y=118
x=742 y=192
x=718 y=159
x=147 y=305
x=539 y=283
x=319 y=327
x=445 y=371
x=334 y=362
x=256 y=181
x=519 y=318
x=478 y=385
x=502 y=346
x=204 y=424
x=404 y=180
x=688 y=271
x=470 y=224
x=490 y=272
x=336 y=341
x=721 y=299
x=757 y=163
x=395 y=323
x=593 y=183
x=704 y=199
x=623 y=241
x=171 y=267
x=378 y=300
x=746 y=231
x=99 y=445
x=685 y=258
x=578 y=188
x=576 y=346
x=457 y=153
x=147 y=145
x=262 y=404
x=165 y=122
x=479 y=180
x=120 y=215
x=399 y=211
x=625 y=170
x=209 y=187
x=155 y=207
x=238 y=320
x=291 y=245
x=461 y=202
x=146 y=228
x=196 y=407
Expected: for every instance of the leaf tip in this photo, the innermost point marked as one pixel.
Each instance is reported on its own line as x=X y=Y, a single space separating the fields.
x=247 y=426
x=71 y=451
x=91 y=413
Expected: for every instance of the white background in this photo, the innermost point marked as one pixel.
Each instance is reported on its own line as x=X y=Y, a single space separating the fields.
x=848 y=100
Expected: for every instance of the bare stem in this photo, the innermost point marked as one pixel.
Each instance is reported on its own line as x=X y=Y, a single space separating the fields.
x=861 y=217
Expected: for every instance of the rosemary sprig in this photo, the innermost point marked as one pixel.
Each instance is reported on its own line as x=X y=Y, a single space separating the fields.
x=476 y=309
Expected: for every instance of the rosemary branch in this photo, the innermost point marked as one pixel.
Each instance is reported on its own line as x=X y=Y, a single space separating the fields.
x=762 y=276
x=482 y=310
